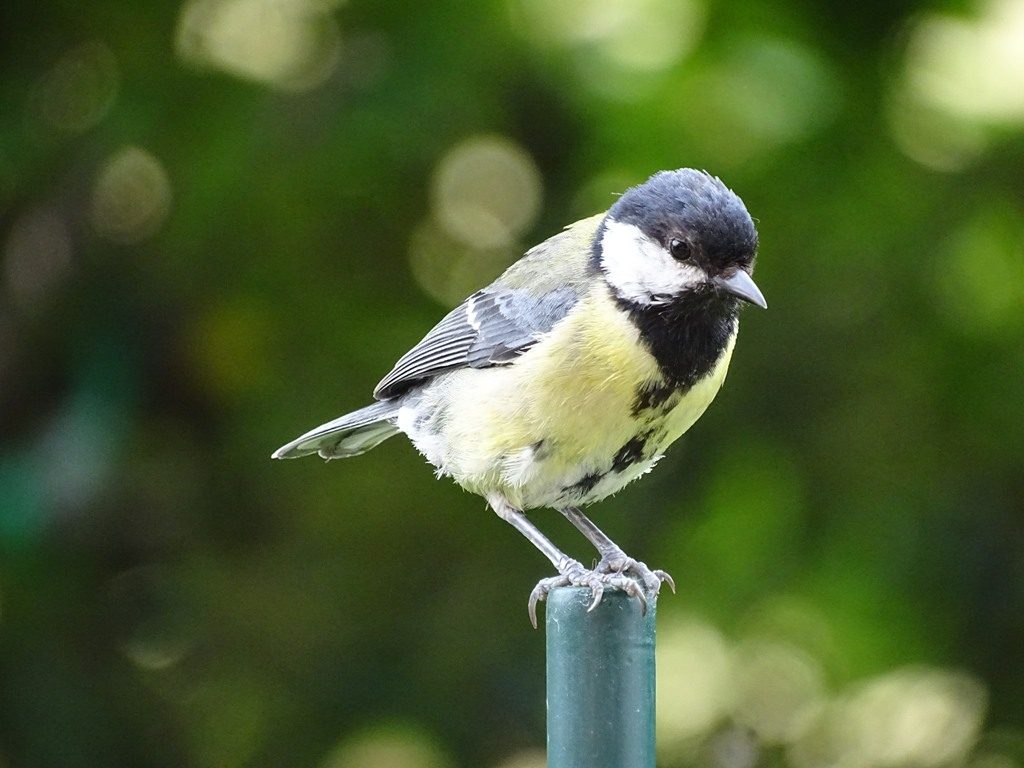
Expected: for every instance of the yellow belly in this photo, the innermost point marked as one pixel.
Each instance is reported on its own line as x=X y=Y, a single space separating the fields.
x=560 y=413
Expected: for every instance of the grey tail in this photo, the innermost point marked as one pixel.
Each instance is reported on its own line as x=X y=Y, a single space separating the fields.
x=349 y=435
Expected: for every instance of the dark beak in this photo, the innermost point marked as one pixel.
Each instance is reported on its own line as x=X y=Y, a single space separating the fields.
x=742 y=285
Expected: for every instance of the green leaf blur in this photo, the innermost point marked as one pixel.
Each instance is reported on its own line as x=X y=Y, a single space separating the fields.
x=221 y=221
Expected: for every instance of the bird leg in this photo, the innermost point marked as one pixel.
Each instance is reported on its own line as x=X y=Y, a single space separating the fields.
x=570 y=572
x=613 y=559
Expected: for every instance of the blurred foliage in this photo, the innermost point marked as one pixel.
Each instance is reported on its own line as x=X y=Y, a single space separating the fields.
x=221 y=221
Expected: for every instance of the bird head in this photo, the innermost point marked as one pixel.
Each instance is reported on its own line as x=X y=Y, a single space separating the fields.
x=680 y=234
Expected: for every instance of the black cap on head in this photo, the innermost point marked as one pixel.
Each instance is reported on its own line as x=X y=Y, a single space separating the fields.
x=697 y=208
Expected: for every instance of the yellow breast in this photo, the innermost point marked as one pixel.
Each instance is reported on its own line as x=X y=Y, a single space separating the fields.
x=563 y=409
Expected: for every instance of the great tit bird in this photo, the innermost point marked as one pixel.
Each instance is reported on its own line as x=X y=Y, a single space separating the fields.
x=570 y=375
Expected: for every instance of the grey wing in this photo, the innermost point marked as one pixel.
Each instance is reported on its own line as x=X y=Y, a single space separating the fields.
x=492 y=327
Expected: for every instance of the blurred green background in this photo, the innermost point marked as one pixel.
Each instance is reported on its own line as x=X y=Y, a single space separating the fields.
x=221 y=221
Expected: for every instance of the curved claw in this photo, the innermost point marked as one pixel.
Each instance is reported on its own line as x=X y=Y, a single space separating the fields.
x=621 y=563
x=597 y=581
x=666 y=577
x=540 y=593
x=535 y=597
x=639 y=595
x=597 y=588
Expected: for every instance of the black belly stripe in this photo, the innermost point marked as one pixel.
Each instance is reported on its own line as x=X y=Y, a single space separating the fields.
x=631 y=452
x=686 y=336
x=652 y=396
x=586 y=484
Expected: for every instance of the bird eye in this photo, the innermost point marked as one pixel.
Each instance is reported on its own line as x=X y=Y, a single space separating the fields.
x=680 y=249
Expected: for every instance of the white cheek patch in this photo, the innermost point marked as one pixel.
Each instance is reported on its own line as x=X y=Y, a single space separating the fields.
x=642 y=271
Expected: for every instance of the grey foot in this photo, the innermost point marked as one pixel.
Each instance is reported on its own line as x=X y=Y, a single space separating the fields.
x=620 y=562
x=575 y=575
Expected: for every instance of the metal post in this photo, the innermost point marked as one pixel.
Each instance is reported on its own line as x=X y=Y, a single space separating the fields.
x=600 y=668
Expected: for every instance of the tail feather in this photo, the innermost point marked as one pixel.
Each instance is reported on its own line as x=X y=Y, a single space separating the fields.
x=349 y=435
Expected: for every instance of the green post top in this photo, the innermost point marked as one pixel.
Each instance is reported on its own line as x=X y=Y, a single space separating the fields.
x=600 y=668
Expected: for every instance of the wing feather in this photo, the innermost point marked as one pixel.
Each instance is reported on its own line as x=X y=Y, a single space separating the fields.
x=493 y=327
x=442 y=348
x=497 y=324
